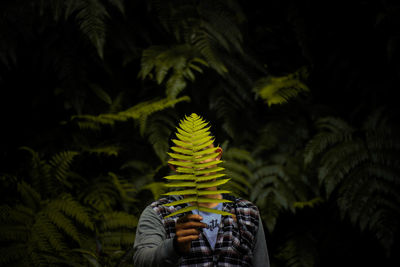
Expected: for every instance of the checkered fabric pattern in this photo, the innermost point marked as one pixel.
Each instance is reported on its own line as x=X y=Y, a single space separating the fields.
x=236 y=237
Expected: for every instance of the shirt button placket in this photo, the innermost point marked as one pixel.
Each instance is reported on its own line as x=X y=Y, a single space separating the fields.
x=215 y=260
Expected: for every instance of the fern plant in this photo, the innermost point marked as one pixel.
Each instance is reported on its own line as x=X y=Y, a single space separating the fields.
x=41 y=232
x=237 y=166
x=90 y=16
x=197 y=170
x=51 y=223
x=298 y=250
x=359 y=169
x=49 y=177
x=207 y=26
x=278 y=90
x=139 y=112
x=180 y=61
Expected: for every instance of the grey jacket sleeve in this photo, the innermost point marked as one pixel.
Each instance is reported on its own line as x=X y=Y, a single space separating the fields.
x=151 y=247
x=260 y=252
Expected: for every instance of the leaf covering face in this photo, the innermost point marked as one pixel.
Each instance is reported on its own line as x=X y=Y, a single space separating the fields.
x=197 y=169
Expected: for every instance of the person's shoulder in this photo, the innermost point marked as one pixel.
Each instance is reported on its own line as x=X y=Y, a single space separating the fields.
x=247 y=213
x=163 y=201
x=245 y=202
x=160 y=208
x=242 y=202
x=160 y=201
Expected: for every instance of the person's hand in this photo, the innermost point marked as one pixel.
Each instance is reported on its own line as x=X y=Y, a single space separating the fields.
x=187 y=229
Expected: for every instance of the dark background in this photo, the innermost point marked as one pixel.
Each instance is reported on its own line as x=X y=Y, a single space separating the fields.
x=322 y=163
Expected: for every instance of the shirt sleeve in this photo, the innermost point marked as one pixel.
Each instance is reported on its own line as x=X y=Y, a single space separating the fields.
x=151 y=247
x=260 y=252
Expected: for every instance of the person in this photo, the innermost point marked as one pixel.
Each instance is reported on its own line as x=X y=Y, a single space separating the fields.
x=201 y=238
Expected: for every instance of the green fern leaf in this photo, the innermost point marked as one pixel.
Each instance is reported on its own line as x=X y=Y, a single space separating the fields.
x=63 y=222
x=61 y=163
x=123 y=187
x=41 y=172
x=300 y=250
x=73 y=209
x=156 y=188
x=91 y=257
x=237 y=162
x=12 y=253
x=193 y=143
x=118 y=220
x=224 y=213
x=273 y=191
x=31 y=198
x=113 y=240
x=14 y=233
x=46 y=235
x=91 y=16
x=18 y=214
x=160 y=126
x=101 y=93
x=178 y=61
x=182 y=210
x=108 y=150
x=139 y=112
x=278 y=90
x=119 y=4
x=360 y=168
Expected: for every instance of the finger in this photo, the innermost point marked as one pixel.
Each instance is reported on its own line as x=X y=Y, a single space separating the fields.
x=185 y=239
x=187 y=232
x=189 y=217
x=192 y=225
x=194 y=217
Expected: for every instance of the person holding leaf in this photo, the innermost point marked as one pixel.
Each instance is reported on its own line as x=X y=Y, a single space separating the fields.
x=199 y=224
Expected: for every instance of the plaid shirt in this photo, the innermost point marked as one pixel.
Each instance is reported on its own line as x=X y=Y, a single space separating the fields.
x=235 y=241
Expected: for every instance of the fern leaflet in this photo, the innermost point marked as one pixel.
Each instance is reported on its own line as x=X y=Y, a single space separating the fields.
x=195 y=158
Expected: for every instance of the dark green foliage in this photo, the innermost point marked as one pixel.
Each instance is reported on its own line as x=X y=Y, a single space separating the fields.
x=182 y=60
x=138 y=112
x=92 y=89
x=207 y=26
x=278 y=90
x=298 y=251
x=160 y=127
x=47 y=229
x=360 y=168
x=236 y=163
x=279 y=179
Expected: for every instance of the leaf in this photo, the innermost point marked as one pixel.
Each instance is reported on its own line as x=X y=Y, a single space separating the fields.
x=139 y=112
x=182 y=201
x=181 y=193
x=210 y=177
x=278 y=90
x=212 y=200
x=212 y=184
x=212 y=192
x=100 y=93
x=182 y=210
x=200 y=166
x=181 y=177
x=195 y=158
x=181 y=184
x=181 y=163
x=179 y=156
x=214 y=211
x=90 y=16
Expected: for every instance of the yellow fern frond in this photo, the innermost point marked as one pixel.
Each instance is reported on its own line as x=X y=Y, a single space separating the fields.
x=194 y=142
